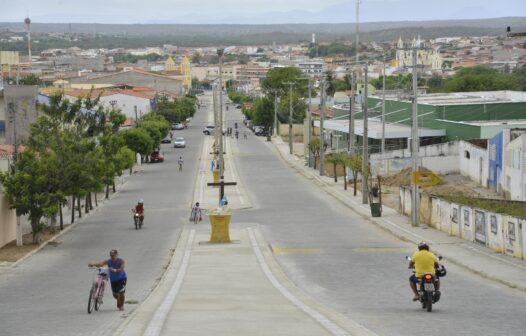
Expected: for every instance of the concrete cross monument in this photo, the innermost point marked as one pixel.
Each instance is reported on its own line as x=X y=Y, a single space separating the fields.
x=221 y=185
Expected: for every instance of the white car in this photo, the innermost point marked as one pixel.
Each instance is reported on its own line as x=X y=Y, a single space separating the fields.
x=179 y=143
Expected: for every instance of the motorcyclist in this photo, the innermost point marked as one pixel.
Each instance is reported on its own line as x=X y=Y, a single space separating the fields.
x=139 y=209
x=423 y=261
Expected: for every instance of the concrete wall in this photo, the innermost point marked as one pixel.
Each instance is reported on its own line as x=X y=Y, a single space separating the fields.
x=7 y=222
x=126 y=103
x=23 y=98
x=437 y=164
x=474 y=162
x=499 y=232
x=514 y=174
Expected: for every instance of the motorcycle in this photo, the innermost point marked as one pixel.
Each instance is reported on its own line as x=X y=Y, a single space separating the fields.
x=136 y=219
x=426 y=290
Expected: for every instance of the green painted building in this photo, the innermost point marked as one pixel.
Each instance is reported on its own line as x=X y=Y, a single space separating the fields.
x=466 y=115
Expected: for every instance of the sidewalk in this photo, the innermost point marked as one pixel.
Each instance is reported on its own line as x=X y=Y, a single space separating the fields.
x=476 y=258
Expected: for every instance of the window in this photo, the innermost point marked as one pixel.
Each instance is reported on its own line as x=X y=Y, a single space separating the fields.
x=466 y=154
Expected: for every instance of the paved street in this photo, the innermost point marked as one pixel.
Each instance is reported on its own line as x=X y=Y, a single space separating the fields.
x=354 y=267
x=328 y=251
x=47 y=294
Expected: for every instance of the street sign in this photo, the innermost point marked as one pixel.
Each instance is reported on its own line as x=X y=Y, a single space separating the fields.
x=425 y=179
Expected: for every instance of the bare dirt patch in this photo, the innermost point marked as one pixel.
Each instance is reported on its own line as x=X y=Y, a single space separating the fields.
x=12 y=253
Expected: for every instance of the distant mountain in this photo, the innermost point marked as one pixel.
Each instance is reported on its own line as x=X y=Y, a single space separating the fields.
x=193 y=34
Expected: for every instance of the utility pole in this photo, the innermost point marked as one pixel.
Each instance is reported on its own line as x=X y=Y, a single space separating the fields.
x=415 y=204
x=351 y=115
x=136 y=118
x=275 y=112
x=290 y=116
x=309 y=125
x=12 y=118
x=221 y=148
x=383 y=122
x=365 y=153
x=216 y=122
x=357 y=29
x=322 y=136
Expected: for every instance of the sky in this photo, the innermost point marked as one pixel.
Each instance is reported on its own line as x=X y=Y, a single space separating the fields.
x=252 y=11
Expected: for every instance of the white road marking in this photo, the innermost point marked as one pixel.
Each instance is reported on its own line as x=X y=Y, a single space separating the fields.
x=231 y=166
x=333 y=328
x=156 y=324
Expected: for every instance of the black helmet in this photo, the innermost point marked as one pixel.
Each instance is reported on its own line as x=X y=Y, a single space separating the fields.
x=441 y=271
x=423 y=246
x=113 y=253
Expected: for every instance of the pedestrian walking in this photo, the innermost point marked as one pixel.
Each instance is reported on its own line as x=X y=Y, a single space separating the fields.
x=195 y=214
x=245 y=135
x=180 y=162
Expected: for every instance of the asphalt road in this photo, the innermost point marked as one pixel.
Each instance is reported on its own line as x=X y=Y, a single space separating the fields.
x=356 y=268
x=47 y=294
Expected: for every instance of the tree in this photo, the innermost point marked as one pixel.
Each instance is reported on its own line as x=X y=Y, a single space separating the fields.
x=27 y=188
x=333 y=158
x=196 y=58
x=31 y=80
x=330 y=88
x=480 y=78
x=138 y=140
x=278 y=76
x=263 y=112
x=315 y=149
x=355 y=163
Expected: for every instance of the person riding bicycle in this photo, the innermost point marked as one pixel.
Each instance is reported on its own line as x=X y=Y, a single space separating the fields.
x=180 y=162
x=118 y=276
x=139 y=208
x=422 y=261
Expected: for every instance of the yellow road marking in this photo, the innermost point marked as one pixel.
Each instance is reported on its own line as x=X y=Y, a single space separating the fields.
x=293 y=250
x=381 y=249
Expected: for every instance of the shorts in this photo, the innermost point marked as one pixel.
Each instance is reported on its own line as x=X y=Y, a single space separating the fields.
x=118 y=286
x=413 y=279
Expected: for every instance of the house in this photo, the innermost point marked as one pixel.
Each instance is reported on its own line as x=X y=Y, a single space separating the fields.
x=514 y=187
x=474 y=160
x=134 y=77
x=133 y=102
x=497 y=179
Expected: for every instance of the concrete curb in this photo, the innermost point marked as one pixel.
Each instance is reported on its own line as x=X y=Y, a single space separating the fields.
x=339 y=320
x=70 y=227
x=386 y=228
x=175 y=260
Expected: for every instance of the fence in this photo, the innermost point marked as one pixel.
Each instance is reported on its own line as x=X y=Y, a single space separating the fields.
x=500 y=232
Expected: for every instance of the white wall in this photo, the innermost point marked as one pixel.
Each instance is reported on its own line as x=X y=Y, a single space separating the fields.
x=475 y=167
x=514 y=173
x=126 y=103
x=442 y=149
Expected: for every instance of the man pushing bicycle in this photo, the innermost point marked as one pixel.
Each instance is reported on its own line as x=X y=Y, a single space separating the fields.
x=118 y=276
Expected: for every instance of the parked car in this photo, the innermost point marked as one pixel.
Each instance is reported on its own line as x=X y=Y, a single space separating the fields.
x=207 y=130
x=238 y=107
x=156 y=157
x=167 y=139
x=178 y=127
x=256 y=129
x=179 y=143
x=261 y=131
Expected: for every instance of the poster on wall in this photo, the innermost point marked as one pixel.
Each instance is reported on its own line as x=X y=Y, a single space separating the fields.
x=493 y=224
x=510 y=233
x=454 y=216
x=480 y=226
x=466 y=217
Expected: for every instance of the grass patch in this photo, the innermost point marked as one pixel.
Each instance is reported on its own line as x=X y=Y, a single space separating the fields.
x=512 y=208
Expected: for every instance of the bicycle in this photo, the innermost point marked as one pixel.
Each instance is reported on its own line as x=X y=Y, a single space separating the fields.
x=96 y=292
x=180 y=165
